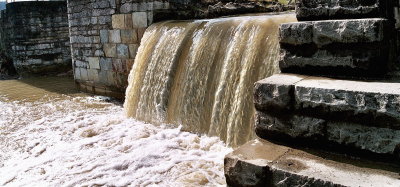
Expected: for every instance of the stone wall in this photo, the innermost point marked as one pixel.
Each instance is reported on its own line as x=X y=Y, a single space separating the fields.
x=338 y=93
x=35 y=36
x=105 y=34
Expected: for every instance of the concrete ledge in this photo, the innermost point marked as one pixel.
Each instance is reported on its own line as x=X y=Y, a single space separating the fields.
x=262 y=163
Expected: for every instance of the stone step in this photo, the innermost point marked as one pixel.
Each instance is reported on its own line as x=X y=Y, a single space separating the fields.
x=343 y=9
x=336 y=47
x=263 y=163
x=353 y=114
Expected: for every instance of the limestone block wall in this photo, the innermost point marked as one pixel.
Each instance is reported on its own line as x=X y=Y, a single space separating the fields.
x=35 y=35
x=105 y=35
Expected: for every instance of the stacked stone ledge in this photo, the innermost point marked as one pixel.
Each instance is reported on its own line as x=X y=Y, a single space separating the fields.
x=355 y=115
x=351 y=47
x=309 y=10
x=360 y=115
x=324 y=108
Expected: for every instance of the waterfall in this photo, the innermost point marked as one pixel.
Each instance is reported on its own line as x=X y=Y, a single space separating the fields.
x=200 y=74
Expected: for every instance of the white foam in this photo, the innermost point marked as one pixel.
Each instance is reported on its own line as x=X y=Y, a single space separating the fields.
x=88 y=142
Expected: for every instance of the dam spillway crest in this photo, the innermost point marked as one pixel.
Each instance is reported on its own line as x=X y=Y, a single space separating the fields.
x=199 y=74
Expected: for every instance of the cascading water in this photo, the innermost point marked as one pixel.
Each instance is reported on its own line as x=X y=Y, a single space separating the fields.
x=200 y=74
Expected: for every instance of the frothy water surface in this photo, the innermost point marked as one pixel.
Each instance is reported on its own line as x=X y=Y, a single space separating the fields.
x=51 y=135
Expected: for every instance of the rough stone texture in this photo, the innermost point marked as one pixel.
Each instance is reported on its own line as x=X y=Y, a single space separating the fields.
x=275 y=92
x=114 y=28
x=362 y=138
x=262 y=163
x=361 y=115
x=323 y=33
x=337 y=47
x=7 y=69
x=36 y=38
x=343 y=9
x=373 y=103
x=139 y=19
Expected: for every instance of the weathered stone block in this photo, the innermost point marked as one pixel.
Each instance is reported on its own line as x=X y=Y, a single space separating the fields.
x=129 y=36
x=262 y=163
x=133 y=50
x=106 y=64
x=139 y=19
x=94 y=62
x=119 y=66
x=118 y=21
x=77 y=73
x=276 y=91
x=128 y=21
x=354 y=47
x=115 y=36
x=84 y=74
x=295 y=126
x=378 y=140
x=342 y=9
x=351 y=135
x=364 y=61
x=373 y=103
x=104 y=36
x=110 y=50
x=296 y=33
x=129 y=64
x=93 y=75
x=122 y=51
x=349 y=31
x=361 y=115
x=103 y=77
x=141 y=32
x=111 y=78
x=322 y=33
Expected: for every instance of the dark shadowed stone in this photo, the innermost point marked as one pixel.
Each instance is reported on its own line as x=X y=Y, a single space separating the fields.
x=342 y=9
x=336 y=47
x=293 y=125
x=296 y=33
x=323 y=33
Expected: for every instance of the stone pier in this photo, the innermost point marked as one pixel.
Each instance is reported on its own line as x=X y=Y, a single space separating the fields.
x=332 y=117
x=35 y=38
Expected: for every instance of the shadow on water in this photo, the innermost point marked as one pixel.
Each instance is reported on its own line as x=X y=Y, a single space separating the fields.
x=35 y=88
